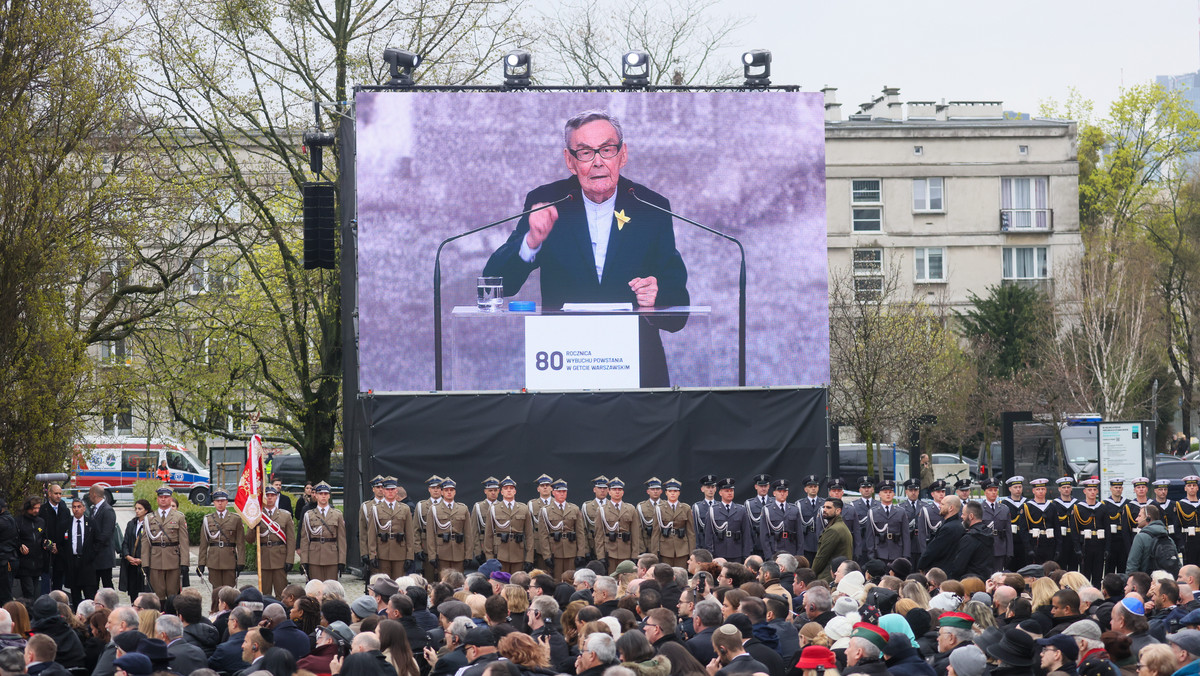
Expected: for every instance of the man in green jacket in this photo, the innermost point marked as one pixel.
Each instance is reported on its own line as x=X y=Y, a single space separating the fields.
x=835 y=540
x=1141 y=552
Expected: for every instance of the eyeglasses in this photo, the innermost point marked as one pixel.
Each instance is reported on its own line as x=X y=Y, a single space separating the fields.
x=588 y=154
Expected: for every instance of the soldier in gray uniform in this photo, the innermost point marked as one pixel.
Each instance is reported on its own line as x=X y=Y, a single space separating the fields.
x=754 y=507
x=887 y=525
x=929 y=519
x=998 y=520
x=729 y=524
x=857 y=520
x=702 y=510
x=779 y=526
x=912 y=505
x=811 y=522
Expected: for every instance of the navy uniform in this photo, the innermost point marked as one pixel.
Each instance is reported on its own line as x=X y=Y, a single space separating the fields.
x=675 y=535
x=702 y=512
x=997 y=520
x=859 y=510
x=1015 y=501
x=1040 y=518
x=434 y=485
x=647 y=510
x=929 y=519
x=1114 y=516
x=1167 y=505
x=323 y=539
x=536 y=505
x=364 y=522
x=755 y=506
x=1187 y=518
x=1068 y=536
x=449 y=531
x=479 y=515
x=812 y=521
x=780 y=525
x=1088 y=516
x=887 y=527
x=591 y=509
x=729 y=525
x=564 y=545
x=508 y=534
x=618 y=530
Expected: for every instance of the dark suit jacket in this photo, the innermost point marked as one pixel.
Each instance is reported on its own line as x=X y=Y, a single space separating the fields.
x=87 y=553
x=106 y=520
x=48 y=669
x=185 y=657
x=450 y=663
x=227 y=658
x=643 y=247
x=942 y=548
x=743 y=665
x=56 y=524
x=700 y=646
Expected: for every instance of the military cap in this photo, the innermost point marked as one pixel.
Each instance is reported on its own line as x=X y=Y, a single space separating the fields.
x=836 y=484
x=708 y=480
x=1164 y=483
x=1092 y=482
x=1191 y=479
x=864 y=481
x=727 y=482
x=559 y=485
x=989 y=483
x=780 y=485
x=653 y=482
x=1040 y=481
x=616 y=482
x=955 y=619
x=377 y=480
x=938 y=485
x=600 y=482
x=887 y=485
x=1015 y=480
x=877 y=636
x=1065 y=481
x=449 y=483
x=812 y=480
x=1141 y=481
x=271 y=490
x=762 y=479
x=164 y=490
x=544 y=479
x=434 y=480
x=508 y=481
x=390 y=483
x=962 y=485
x=220 y=495
x=1116 y=481
x=491 y=482
x=673 y=484
x=323 y=487
x=914 y=484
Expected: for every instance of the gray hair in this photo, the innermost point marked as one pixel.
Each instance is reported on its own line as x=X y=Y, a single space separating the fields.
x=603 y=645
x=960 y=635
x=170 y=626
x=709 y=613
x=332 y=589
x=545 y=606
x=1090 y=595
x=244 y=618
x=586 y=576
x=1088 y=644
x=127 y=615
x=313 y=588
x=681 y=576
x=607 y=585
x=461 y=626
x=787 y=563
x=109 y=598
x=869 y=650
x=590 y=116
x=86 y=608
x=820 y=597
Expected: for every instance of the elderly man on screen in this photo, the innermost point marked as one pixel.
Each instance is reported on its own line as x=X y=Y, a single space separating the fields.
x=602 y=245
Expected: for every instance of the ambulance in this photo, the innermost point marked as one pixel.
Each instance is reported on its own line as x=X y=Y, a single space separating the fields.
x=115 y=463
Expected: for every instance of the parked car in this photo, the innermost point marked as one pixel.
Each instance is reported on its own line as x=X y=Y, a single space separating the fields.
x=852 y=463
x=290 y=470
x=952 y=459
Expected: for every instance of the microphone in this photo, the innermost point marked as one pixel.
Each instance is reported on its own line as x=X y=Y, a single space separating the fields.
x=437 y=281
x=741 y=280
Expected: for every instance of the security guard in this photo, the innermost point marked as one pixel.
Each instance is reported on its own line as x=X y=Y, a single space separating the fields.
x=1167 y=506
x=1041 y=520
x=479 y=515
x=754 y=508
x=222 y=546
x=508 y=537
x=675 y=533
x=165 y=549
x=1064 y=513
x=434 y=485
x=1187 y=517
x=323 y=538
x=702 y=511
x=392 y=534
x=1015 y=501
x=276 y=554
x=364 y=522
x=545 y=487
x=1114 y=515
x=591 y=509
x=729 y=524
x=997 y=520
x=810 y=521
x=563 y=547
x=449 y=535
x=1089 y=521
x=887 y=524
x=929 y=519
x=647 y=508
x=779 y=528
x=618 y=530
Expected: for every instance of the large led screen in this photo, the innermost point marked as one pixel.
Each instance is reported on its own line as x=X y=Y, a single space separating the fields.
x=430 y=165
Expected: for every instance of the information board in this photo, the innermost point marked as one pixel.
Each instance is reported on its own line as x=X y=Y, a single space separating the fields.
x=1121 y=451
x=581 y=352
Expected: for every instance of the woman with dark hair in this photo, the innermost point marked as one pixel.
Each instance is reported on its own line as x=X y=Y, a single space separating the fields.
x=20 y=618
x=306 y=613
x=33 y=559
x=132 y=579
x=682 y=661
x=98 y=637
x=394 y=644
x=626 y=618
x=278 y=662
x=637 y=654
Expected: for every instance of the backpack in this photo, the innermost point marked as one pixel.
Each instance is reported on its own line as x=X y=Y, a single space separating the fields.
x=1164 y=554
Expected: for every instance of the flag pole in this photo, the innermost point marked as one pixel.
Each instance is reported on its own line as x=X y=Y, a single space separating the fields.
x=261 y=496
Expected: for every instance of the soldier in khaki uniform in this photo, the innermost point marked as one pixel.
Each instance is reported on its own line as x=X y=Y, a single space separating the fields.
x=222 y=546
x=165 y=549
x=564 y=544
x=591 y=509
x=646 y=508
x=276 y=554
x=323 y=538
x=364 y=522
x=449 y=538
x=674 y=534
x=479 y=515
x=544 y=489
x=508 y=537
x=434 y=485
x=393 y=533
x=618 y=531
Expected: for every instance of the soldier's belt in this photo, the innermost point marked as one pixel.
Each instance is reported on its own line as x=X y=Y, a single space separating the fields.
x=612 y=537
x=1097 y=534
x=398 y=537
x=322 y=539
x=677 y=532
x=516 y=537
x=164 y=544
x=737 y=537
x=219 y=543
x=810 y=528
x=446 y=537
x=559 y=535
x=1039 y=532
x=892 y=536
x=1015 y=529
x=784 y=535
x=273 y=544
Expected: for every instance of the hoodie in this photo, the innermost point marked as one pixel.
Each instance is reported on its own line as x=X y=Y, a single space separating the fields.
x=204 y=636
x=1141 y=552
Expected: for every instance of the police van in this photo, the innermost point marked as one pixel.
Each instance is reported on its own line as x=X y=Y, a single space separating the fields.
x=115 y=463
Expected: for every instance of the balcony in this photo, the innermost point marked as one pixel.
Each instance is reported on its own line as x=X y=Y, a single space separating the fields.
x=1026 y=220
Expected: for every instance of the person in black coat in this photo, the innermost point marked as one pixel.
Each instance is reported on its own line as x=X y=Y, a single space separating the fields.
x=81 y=576
x=133 y=578
x=46 y=620
x=733 y=657
x=903 y=659
x=105 y=519
x=8 y=552
x=975 y=550
x=33 y=557
x=944 y=544
x=56 y=514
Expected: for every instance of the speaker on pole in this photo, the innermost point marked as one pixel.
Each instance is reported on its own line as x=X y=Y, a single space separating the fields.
x=320 y=225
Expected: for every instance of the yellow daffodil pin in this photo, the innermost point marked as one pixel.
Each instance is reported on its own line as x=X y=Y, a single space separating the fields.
x=622 y=219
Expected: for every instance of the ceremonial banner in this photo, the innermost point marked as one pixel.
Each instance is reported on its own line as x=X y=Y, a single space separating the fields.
x=249 y=493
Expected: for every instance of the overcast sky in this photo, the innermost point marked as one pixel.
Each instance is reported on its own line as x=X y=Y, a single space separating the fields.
x=1016 y=51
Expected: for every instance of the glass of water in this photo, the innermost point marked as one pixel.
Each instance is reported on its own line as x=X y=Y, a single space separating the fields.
x=490 y=294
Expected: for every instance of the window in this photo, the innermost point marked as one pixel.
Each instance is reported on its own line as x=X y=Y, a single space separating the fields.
x=1026 y=262
x=176 y=460
x=918 y=150
x=120 y=421
x=866 y=191
x=198 y=276
x=115 y=352
x=927 y=194
x=868 y=274
x=1024 y=203
x=931 y=264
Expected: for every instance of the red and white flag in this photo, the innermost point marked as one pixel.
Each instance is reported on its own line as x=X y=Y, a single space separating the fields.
x=250 y=486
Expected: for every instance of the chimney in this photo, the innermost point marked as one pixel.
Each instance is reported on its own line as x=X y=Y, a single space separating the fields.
x=833 y=109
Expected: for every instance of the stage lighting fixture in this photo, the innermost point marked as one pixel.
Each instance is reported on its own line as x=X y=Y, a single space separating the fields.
x=313 y=142
x=517 y=68
x=757 y=58
x=635 y=69
x=401 y=64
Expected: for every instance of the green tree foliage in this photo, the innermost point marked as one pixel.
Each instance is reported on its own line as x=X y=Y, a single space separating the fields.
x=1009 y=327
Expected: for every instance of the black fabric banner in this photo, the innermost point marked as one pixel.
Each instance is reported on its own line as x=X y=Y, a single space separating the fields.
x=684 y=434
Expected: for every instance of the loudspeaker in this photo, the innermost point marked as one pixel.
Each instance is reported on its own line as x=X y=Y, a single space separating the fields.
x=320 y=225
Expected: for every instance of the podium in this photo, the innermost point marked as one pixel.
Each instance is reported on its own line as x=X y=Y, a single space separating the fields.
x=552 y=350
